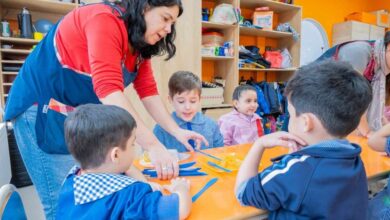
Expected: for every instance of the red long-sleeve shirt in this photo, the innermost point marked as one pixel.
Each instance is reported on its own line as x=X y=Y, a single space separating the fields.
x=93 y=40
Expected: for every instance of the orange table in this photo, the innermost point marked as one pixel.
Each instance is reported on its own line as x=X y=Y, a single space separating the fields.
x=219 y=201
x=377 y=164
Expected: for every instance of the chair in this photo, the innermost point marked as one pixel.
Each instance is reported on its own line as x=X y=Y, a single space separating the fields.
x=11 y=205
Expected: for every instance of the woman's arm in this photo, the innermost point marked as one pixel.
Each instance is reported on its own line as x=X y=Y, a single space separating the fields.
x=165 y=164
x=377 y=140
x=363 y=127
x=157 y=110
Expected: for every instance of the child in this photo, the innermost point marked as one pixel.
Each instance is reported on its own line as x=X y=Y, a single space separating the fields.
x=101 y=139
x=379 y=206
x=326 y=179
x=184 y=95
x=242 y=125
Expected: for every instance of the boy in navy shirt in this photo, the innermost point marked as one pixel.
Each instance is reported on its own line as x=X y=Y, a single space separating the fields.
x=325 y=177
x=101 y=138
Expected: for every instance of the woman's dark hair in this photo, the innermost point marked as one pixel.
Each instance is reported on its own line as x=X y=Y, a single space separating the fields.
x=386 y=39
x=136 y=27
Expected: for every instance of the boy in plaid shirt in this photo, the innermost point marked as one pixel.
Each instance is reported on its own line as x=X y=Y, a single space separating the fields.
x=101 y=138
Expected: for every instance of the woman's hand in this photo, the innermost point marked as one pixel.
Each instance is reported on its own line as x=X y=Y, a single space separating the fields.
x=183 y=136
x=165 y=164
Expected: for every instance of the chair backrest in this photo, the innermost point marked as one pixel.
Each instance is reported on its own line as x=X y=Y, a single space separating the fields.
x=11 y=205
x=5 y=164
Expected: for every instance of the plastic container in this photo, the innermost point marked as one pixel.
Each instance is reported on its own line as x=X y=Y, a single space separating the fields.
x=212 y=39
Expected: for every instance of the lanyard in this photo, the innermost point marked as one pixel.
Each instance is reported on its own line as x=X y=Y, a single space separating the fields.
x=259 y=128
x=191 y=142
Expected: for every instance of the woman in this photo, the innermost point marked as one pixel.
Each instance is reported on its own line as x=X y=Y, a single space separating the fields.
x=90 y=56
x=372 y=59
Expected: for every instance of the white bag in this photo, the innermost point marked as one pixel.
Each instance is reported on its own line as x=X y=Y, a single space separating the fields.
x=224 y=13
x=286 y=59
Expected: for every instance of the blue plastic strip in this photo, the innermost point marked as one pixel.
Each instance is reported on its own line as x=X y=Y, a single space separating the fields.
x=217 y=166
x=208 y=185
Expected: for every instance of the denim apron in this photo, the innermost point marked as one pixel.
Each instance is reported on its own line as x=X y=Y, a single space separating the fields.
x=42 y=79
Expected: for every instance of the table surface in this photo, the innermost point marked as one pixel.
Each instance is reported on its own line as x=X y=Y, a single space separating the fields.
x=219 y=201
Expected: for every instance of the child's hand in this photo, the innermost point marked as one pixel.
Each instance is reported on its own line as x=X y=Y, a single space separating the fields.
x=156 y=186
x=280 y=138
x=178 y=185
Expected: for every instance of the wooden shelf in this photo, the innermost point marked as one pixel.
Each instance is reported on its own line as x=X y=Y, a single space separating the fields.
x=12 y=61
x=216 y=58
x=16 y=51
x=274 y=5
x=219 y=26
x=269 y=69
x=9 y=73
x=49 y=6
x=18 y=40
x=264 y=33
x=223 y=105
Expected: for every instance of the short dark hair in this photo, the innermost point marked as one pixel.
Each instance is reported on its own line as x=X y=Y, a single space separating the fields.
x=93 y=129
x=386 y=39
x=333 y=91
x=240 y=89
x=182 y=81
x=136 y=27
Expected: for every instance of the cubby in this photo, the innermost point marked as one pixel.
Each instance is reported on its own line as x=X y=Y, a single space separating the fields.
x=227 y=67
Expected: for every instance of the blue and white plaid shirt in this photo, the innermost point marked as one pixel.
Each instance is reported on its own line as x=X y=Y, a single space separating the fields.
x=93 y=186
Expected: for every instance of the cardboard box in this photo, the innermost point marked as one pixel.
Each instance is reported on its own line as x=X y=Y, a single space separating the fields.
x=376 y=32
x=382 y=18
x=362 y=17
x=350 y=30
x=263 y=19
x=212 y=96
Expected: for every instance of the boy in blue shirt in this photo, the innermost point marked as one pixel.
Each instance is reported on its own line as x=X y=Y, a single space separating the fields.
x=325 y=177
x=184 y=95
x=101 y=138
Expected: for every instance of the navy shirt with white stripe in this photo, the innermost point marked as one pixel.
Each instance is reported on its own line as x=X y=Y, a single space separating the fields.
x=322 y=181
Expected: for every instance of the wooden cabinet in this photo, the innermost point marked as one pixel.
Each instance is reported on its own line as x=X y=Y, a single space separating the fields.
x=188 y=44
x=228 y=68
x=354 y=30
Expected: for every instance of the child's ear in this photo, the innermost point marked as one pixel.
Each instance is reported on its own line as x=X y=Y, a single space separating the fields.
x=235 y=103
x=170 y=99
x=308 y=122
x=114 y=155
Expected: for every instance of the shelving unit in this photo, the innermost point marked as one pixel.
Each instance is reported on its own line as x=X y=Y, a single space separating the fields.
x=216 y=58
x=263 y=33
x=269 y=69
x=218 y=26
x=227 y=68
x=48 y=6
x=11 y=59
x=274 y=5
